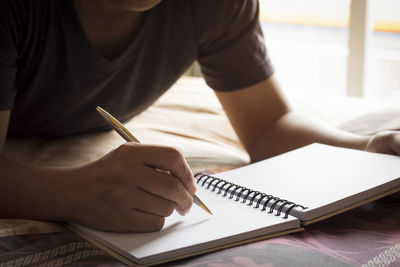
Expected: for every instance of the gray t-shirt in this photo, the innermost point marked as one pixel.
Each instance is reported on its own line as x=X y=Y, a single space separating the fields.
x=51 y=78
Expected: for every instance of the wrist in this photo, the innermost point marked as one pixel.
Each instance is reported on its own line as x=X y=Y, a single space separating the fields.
x=56 y=185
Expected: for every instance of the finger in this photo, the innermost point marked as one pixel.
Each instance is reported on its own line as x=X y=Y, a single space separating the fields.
x=169 y=159
x=123 y=220
x=139 y=221
x=149 y=203
x=166 y=186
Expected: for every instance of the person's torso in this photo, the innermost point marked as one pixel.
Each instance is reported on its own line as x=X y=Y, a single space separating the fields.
x=61 y=78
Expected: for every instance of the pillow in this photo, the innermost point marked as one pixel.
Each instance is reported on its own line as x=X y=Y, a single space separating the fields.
x=371 y=123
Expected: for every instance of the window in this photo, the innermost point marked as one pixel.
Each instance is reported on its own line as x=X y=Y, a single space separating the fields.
x=308 y=41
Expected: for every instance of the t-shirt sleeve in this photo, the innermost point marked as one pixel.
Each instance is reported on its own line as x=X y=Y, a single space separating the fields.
x=231 y=49
x=8 y=68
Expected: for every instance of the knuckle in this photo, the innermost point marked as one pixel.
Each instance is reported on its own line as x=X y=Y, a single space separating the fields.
x=124 y=147
x=175 y=153
x=127 y=147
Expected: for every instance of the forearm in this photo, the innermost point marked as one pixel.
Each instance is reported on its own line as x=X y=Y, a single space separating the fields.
x=29 y=192
x=294 y=130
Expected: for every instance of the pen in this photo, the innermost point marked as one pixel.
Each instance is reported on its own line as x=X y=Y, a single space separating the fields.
x=129 y=137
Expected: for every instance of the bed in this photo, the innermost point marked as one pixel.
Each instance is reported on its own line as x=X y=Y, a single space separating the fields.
x=189 y=116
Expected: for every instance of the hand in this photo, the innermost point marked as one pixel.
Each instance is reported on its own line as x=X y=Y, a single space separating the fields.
x=387 y=142
x=132 y=189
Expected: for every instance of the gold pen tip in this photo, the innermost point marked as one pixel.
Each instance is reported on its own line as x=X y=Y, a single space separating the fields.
x=204 y=207
x=200 y=203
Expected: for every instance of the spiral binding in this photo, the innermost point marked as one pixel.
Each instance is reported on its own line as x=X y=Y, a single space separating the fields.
x=246 y=194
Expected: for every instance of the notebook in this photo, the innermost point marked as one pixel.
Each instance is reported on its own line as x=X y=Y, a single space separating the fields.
x=272 y=197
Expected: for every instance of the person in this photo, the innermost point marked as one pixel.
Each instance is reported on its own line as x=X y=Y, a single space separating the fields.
x=60 y=59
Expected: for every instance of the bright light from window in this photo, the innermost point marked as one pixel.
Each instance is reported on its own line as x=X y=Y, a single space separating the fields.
x=308 y=43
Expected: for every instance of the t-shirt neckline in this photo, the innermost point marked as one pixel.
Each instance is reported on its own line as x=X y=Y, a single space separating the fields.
x=98 y=59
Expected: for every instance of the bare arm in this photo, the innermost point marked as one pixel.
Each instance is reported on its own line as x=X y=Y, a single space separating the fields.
x=119 y=192
x=267 y=126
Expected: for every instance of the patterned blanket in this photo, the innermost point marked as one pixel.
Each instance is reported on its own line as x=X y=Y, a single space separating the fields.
x=366 y=236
